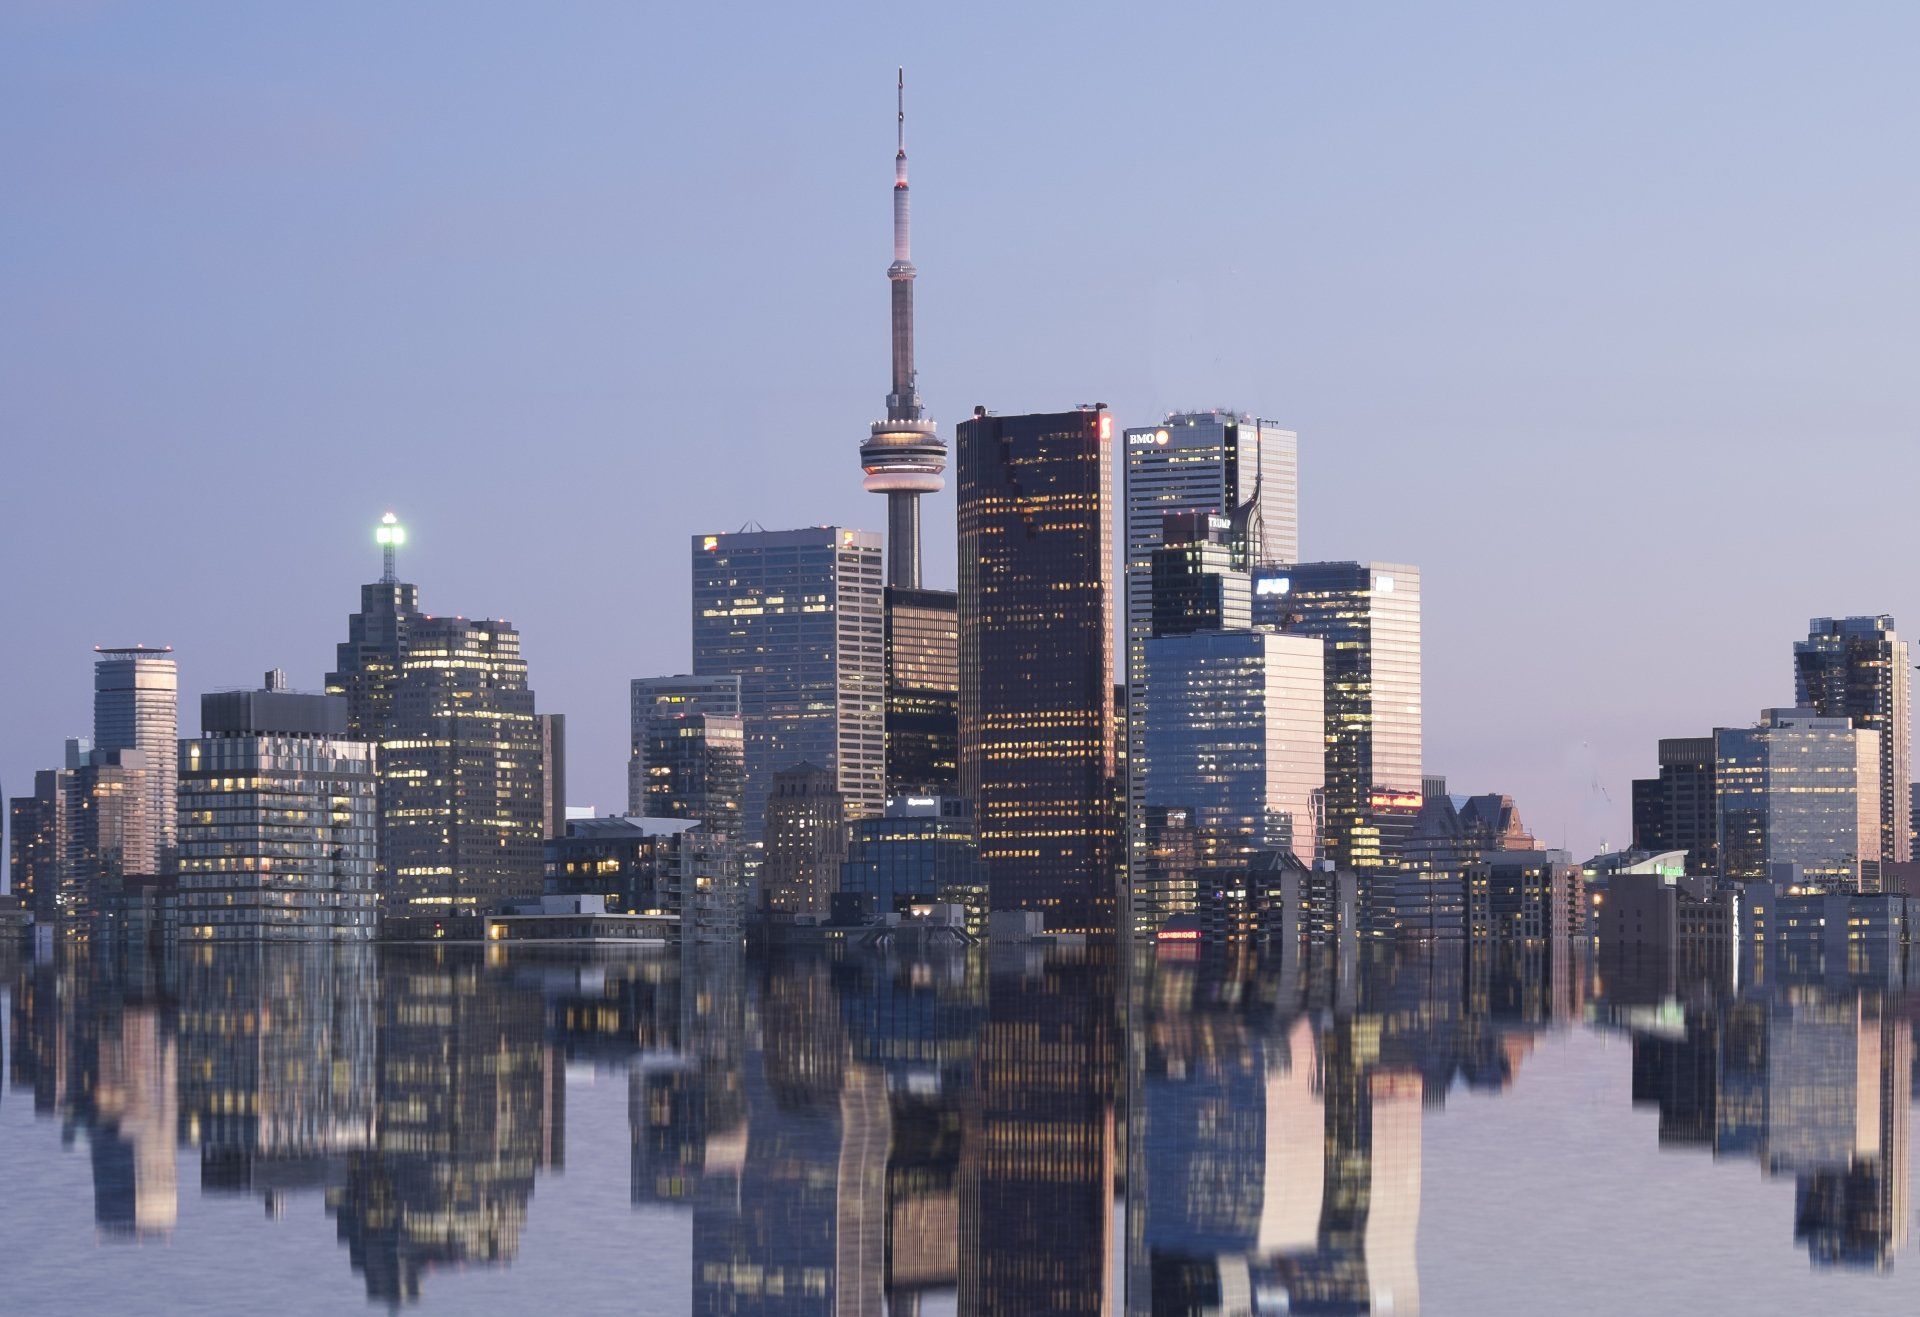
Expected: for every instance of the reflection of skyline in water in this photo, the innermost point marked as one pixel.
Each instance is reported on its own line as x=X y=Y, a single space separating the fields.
x=874 y=1135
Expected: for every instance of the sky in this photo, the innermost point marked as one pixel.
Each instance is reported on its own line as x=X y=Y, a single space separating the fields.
x=1604 y=315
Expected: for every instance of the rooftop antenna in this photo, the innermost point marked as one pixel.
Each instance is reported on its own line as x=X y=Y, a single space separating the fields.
x=390 y=535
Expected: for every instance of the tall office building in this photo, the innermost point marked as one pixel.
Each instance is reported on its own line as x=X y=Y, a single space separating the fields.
x=279 y=820
x=1213 y=463
x=1800 y=789
x=33 y=824
x=461 y=763
x=553 y=773
x=1678 y=811
x=903 y=456
x=797 y=616
x=806 y=841
x=695 y=764
x=923 y=691
x=136 y=706
x=1858 y=668
x=1233 y=732
x=367 y=663
x=460 y=772
x=1368 y=614
x=1036 y=659
x=664 y=699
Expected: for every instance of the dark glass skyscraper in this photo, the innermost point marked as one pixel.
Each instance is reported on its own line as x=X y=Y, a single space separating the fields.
x=1858 y=668
x=1678 y=810
x=1036 y=659
x=923 y=691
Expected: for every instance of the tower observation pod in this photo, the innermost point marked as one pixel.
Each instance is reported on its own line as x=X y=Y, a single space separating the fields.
x=903 y=456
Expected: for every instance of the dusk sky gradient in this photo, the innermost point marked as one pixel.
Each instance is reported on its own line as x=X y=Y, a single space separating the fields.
x=1604 y=315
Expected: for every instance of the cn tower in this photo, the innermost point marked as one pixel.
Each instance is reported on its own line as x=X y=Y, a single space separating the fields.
x=904 y=456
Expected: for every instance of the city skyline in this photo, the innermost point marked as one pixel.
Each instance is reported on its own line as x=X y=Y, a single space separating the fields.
x=1582 y=413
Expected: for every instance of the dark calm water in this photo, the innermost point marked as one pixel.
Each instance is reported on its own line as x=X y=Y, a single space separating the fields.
x=997 y=1132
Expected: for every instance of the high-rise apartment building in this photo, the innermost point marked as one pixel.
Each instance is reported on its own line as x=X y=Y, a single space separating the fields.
x=1799 y=789
x=798 y=617
x=664 y=699
x=279 y=820
x=103 y=832
x=923 y=691
x=806 y=841
x=1368 y=615
x=1678 y=810
x=33 y=831
x=1036 y=659
x=461 y=759
x=1858 y=668
x=136 y=706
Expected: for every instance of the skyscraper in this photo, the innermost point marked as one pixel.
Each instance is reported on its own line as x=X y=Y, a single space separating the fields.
x=695 y=764
x=279 y=835
x=553 y=773
x=1369 y=616
x=663 y=699
x=103 y=832
x=1677 y=810
x=797 y=616
x=462 y=800
x=461 y=762
x=1036 y=659
x=1858 y=668
x=903 y=455
x=136 y=706
x=1801 y=789
x=33 y=824
x=806 y=841
x=923 y=691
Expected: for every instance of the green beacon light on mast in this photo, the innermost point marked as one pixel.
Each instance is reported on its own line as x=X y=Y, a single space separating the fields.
x=389 y=535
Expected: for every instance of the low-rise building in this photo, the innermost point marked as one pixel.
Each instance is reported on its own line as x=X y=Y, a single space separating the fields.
x=659 y=867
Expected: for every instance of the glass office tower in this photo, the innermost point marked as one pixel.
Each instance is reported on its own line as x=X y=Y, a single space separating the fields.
x=1036 y=659
x=798 y=617
x=1368 y=615
x=664 y=699
x=1233 y=731
x=1858 y=668
x=278 y=828
x=923 y=691
x=1802 y=789
x=136 y=706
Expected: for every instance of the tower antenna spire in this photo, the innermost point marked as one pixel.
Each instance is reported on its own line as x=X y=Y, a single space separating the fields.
x=903 y=457
x=390 y=535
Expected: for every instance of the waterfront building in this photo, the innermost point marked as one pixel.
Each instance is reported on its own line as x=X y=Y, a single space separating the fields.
x=1368 y=615
x=1798 y=788
x=923 y=691
x=653 y=866
x=461 y=759
x=664 y=698
x=1677 y=811
x=921 y=850
x=798 y=616
x=136 y=706
x=1232 y=731
x=279 y=820
x=806 y=842
x=33 y=831
x=103 y=833
x=1525 y=896
x=1858 y=668
x=460 y=766
x=1036 y=659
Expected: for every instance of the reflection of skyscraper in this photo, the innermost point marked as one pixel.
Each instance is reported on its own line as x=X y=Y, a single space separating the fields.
x=460 y=1124
x=135 y=1173
x=1036 y=659
x=1038 y=1158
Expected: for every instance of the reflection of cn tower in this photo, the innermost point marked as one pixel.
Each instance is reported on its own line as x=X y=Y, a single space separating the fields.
x=904 y=457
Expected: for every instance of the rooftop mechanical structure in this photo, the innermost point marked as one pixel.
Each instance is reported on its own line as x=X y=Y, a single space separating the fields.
x=904 y=456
